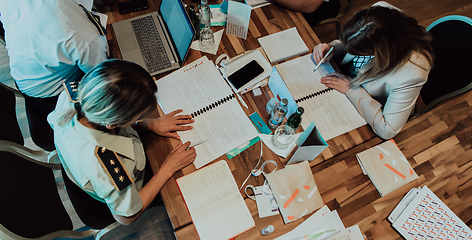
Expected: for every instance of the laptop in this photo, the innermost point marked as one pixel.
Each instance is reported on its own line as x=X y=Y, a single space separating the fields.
x=158 y=41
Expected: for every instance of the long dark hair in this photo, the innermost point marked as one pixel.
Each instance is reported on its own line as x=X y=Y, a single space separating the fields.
x=389 y=35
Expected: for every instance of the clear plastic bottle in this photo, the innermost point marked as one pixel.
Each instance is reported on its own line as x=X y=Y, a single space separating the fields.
x=205 y=15
x=270 y=105
x=278 y=114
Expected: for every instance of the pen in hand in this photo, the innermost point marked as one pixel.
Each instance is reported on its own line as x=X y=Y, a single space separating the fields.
x=322 y=60
x=197 y=143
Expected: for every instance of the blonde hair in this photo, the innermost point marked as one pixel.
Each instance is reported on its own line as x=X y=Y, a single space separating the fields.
x=389 y=35
x=114 y=92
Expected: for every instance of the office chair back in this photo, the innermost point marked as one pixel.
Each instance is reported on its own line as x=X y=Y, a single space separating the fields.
x=11 y=130
x=91 y=212
x=450 y=75
x=30 y=204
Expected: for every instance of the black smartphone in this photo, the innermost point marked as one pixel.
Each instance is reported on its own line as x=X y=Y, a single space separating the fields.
x=245 y=74
x=132 y=6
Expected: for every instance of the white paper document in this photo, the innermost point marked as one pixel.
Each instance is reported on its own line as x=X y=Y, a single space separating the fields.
x=331 y=110
x=201 y=91
x=214 y=202
x=283 y=45
x=238 y=17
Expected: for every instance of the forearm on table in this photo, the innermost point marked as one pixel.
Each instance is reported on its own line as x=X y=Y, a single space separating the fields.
x=371 y=111
x=304 y=6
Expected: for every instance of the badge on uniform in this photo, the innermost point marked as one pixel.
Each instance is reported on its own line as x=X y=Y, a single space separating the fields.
x=113 y=167
x=71 y=90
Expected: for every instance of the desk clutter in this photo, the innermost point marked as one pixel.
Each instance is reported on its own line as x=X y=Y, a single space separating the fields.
x=324 y=224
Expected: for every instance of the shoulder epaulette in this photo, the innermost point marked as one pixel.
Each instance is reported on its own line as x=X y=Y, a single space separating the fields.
x=113 y=167
x=95 y=21
x=71 y=88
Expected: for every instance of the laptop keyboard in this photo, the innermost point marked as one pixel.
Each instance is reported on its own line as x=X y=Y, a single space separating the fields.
x=150 y=44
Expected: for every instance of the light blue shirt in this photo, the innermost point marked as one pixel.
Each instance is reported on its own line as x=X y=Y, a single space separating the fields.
x=75 y=145
x=49 y=41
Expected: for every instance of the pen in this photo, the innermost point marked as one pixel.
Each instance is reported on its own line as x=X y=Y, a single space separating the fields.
x=326 y=55
x=197 y=143
x=234 y=89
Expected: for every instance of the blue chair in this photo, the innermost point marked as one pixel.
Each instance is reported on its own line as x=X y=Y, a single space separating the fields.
x=450 y=75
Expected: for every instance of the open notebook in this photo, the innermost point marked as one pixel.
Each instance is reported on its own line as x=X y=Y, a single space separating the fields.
x=201 y=91
x=331 y=110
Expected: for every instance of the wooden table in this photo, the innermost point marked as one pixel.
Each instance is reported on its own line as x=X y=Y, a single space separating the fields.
x=264 y=21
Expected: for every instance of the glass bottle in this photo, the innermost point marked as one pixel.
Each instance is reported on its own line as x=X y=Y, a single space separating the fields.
x=195 y=21
x=278 y=114
x=207 y=39
x=295 y=119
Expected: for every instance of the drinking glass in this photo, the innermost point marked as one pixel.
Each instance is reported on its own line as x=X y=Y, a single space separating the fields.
x=283 y=136
x=207 y=40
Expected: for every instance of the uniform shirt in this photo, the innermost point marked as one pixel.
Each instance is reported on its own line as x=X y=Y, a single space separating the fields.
x=49 y=41
x=75 y=145
x=386 y=103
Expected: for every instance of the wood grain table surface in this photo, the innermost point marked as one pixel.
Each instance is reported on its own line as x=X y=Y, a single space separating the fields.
x=435 y=144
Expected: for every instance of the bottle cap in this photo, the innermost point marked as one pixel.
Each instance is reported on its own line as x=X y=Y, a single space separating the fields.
x=300 y=110
x=267 y=230
x=284 y=102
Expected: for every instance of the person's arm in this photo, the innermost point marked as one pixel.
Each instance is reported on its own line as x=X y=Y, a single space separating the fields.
x=176 y=160
x=93 y=54
x=304 y=6
x=387 y=121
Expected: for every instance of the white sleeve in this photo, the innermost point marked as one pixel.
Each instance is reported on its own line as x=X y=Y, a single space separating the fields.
x=95 y=53
x=387 y=121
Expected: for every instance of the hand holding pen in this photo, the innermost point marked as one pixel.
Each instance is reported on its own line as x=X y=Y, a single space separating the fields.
x=322 y=53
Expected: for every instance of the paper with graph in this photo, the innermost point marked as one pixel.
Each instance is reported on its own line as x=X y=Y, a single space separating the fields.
x=386 y=166
x=422 y=215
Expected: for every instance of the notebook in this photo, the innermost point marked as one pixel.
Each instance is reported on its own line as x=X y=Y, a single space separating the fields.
x=216 y=206
x=158 y=41
x=422 y=215
x=200 y=90
x=283 y=45
x=386 y=166
x=331 y=110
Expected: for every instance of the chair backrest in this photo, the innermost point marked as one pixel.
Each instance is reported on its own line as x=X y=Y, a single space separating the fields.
x=11 y=130
x=91 y=212
x=450 y=76
x=30 y=204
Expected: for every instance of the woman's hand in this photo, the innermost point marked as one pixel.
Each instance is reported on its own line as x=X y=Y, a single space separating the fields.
x=337 y=81
x=179 y=158
x=319 y=52
x=168 y=124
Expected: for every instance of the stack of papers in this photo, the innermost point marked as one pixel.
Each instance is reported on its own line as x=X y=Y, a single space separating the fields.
x=422 y=215
x=387 y=167
x=323 y=224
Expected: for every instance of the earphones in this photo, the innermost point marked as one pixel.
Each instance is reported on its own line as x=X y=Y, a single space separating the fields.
x=258 y=171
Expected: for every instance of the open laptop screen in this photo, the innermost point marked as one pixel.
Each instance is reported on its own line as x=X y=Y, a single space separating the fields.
x=178 y=24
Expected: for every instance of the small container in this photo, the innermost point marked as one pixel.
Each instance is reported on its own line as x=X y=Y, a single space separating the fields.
x=278 y=114
x=265 y=231
x=283 y=136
